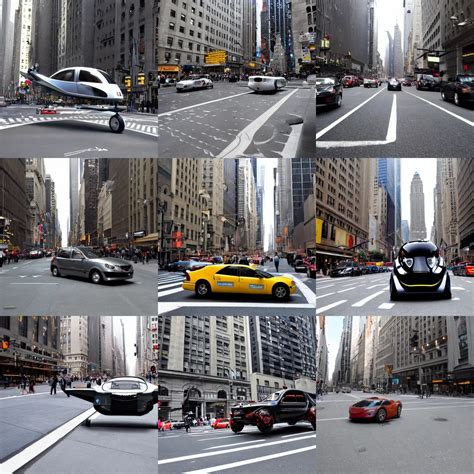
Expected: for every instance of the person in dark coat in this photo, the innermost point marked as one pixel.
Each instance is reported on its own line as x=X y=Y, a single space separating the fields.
x=54 y=383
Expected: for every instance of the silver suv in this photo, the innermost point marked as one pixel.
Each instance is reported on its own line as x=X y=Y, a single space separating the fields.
x=83 y=262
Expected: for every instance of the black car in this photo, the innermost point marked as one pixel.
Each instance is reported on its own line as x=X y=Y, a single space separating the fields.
x=299 y=265
x=394 y=84
x=459 y=89
x=285 y=406
x=419 y=270
x=328 y=92
x=427 y=82
x=346 y=269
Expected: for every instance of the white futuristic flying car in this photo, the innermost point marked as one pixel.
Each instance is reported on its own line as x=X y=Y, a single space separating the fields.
x=84 y=83
x=122 y=396
x=266 y=83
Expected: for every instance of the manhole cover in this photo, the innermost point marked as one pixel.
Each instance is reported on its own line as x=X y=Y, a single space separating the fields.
x=440 y=419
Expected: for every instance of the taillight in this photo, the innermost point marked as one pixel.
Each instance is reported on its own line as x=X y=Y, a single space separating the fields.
x=188 y=278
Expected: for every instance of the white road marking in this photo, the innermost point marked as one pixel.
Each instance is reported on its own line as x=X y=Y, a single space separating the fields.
x=162 y=287
x=32 y=283
x=20 y=396
x=386 y=306
x=373 y=286
x=289 y=150
x=233 y=444
x=365 y=300
x=329 y=306
x=324 y=296
x=444 y=110
x=241 y=142
x=169 y=292
x=306 y=291
x=347 y=289
x=166 y=307
x=322 y=287
x=251 y=461
x=391 y=136
x=34 y=450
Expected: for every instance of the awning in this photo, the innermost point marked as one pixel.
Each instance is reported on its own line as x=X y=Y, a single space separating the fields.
x=148 y=239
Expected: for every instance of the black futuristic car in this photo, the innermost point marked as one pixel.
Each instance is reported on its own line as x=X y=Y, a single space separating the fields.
x=285 y=406
x=419 y=270
x=123 y=396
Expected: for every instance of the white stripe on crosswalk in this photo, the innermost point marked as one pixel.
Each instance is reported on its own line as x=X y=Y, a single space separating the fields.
x=386 y=306
x=323 y=296
x=169 y=292
x=171 y=285
x=329 y=306
x=367 y=299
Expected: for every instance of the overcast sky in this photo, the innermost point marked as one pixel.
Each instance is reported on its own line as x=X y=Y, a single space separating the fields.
x=130 y=326
x=388 y=13
x=333 y=339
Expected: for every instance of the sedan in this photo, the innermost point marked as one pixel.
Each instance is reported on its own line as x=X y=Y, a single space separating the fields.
x=194 y=83
x=375 y=408
x=328 y=92
x=235 y=279
x=346 y=269
x=35 y=254
x=464 y=269
x=369 y=82
x=299 y=265
x=83 y=262
x=221 y=423
x=394 y=85
x=459 y=89
x=266 y=83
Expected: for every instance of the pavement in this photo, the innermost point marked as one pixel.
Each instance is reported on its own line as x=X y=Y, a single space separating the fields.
x=28 y=288
x=369 y=294
x=376 y=123
x=47 y=433
x=173 y=300
x=205 y=450
x=432 y=435
x=230 y=121
x=75 y=133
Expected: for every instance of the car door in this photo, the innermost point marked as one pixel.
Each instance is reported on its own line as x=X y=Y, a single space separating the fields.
x=65 y=81
x=251 y=283
x=293 y=406
x=76 y=263
x=390 y=407
x=63 y=260
x=90 y=84
x=226 y=280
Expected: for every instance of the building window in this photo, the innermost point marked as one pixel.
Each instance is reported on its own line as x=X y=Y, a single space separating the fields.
x=171 y=25
x=170 y=41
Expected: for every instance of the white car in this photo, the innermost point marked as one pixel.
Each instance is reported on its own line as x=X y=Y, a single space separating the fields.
x=370 y=82
x=266 y=83
x=3 y=102
x=193 y=83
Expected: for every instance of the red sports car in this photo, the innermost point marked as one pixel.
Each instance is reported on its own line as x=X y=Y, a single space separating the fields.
x=375 y=408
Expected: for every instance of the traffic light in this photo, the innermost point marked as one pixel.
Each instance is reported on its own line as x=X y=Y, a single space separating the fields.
x=6 y=343
x=128 y=83
x=141 y=79
x=151 y=76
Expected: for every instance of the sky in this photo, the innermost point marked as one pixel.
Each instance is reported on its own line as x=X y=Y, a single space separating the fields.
x=130 y=326
x=426 y=168
x=333 y=339
x=268 y=210
x=388 y=12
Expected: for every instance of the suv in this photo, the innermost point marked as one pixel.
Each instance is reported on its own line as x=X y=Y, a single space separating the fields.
x=428 y=82
x=83 y=262
x=346 y=269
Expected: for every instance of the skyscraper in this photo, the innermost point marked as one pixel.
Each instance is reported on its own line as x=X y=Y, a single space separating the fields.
x=397 y=52
x=417 y=209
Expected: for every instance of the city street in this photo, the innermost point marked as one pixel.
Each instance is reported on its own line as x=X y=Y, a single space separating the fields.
x=432 y=435
x=29 y=288
x=172 y=299
x=231 y=121
x=369 y=294
x=47 y=432
x=75 y=133
x=375 y=122
x=205 y=450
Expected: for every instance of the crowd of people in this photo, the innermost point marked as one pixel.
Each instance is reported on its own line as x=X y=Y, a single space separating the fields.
x=9 y=256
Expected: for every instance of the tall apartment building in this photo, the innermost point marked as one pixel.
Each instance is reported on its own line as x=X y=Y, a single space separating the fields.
x=75 y=344
x=119 y=175
x=22 y=40
x=460 y=331
x=246 y=208
x=417 y=209
x=465 y=183
x=7 y=31
x=231 y=171
x=90 y=186
x=36 y=195
x=398 y=63
x=342 y=369
x=45 y=41
x=101 y=345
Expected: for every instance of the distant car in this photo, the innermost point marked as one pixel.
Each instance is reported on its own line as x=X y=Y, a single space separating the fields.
x=346 y=389
x=194 y=82
x=406 y=83
x=221 y=423
x=194 y=265
x=169 y=82
x=394 y=84
x=427 y=82
x=233 y=78
x=290 y=406
x=419 y=270
x=299 y=265
x=346 y=269
x=310 y=263
x=350 y=81
x=177 y=425
x=35 y=254
x=464 y=269
x=3 y=102
x=328 y=92
x=167 y=425
x=83 y=262
x=375 y=408
x=371 y=82
x=459 y=89
x=238 y=279
x=266 y=83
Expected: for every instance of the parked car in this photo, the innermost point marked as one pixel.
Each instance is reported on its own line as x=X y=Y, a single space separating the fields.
x=266 y=83
x=177 y=425
x=83 y=262
x=169 y=82
x=459 y=89
x=194 y=82
x=299 y=264
x=394 y=84
x=3 y=102
x=375 y=408
x=346 y=269
x=406 y=83
x=427 y=82
x=328 y=92
x=464 y=269
x=346 y=389
x=350 y=81
x=36 y=253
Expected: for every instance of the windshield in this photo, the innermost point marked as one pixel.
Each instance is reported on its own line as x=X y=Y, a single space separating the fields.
x=106 y=75
x=272 y=397
x=368 y=403
x=263 y=274
x=324 y=81
x=466 y=78
x=89 y=253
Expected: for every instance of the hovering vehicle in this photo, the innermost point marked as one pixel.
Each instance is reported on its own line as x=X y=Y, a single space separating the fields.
x=242 y=279
x=290 y=406
x=84 y=83
x=122 y=396
x=193 y=83
x=266 y=83
x=375 y=408
x=394 y=84
x=419 y=270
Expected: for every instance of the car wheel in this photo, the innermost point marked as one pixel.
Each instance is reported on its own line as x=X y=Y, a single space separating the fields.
x=399 y=411
x=381 y=415
x=443 y=96
x=280 y=292
x=457 y=100
x=339 y=100
x=55 y=272
x=237 y=427
x=203 y=288
x=447 y=291
x=116 y=124
x=95 y=276
x=264 y=421
x=393 y=290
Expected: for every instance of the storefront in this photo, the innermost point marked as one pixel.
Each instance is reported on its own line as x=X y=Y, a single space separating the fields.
x=168 y=70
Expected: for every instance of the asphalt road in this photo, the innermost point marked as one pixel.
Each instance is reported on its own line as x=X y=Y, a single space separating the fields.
x=80 y=133
x=172 y=299
x=432 y=435
x=369 y=294
x=231 y=121
x=204 y=450
x=30 y=424
x=28 y=288
x=381 y=123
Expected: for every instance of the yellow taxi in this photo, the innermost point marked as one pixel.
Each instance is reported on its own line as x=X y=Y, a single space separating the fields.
x=243 y=279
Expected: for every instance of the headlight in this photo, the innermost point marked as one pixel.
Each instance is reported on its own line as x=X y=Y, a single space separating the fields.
x=432 y=262
x=110 y=267
x=408 y=262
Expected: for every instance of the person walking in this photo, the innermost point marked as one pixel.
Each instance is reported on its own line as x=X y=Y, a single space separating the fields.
x=276 y=261
x=32 y=385
x=54 y=383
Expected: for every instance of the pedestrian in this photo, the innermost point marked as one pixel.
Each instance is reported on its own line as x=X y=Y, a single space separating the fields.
x=1 y=258
x=32 y=385
x=54 y=383
x=276 y=261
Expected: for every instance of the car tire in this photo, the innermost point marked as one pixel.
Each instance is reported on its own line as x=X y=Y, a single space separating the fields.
x=280 y=292
x=443 y=96
x=447 y=291
x=339 y=101
x=95 y=277
x=399 y=411
x=394 y=296
x=55 y=271
x=116 y=124
x=237 y=427
x=203 y=289
x=457 y=100
x=381 y=415
x=264 y=421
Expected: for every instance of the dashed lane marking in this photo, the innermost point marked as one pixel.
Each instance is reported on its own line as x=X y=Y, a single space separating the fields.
x=363 y=301
x=329 y=306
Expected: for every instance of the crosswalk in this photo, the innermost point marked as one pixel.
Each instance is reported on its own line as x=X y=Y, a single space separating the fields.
x=169 y=283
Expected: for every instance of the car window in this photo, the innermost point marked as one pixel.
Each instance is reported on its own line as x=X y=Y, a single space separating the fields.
x=89 y=253
x=64 y=254
x=67 y=75
x=263 y=274
x=230 y=271
x=87 y=76
x=76 y=254
x=107 y=77
x=368 y=403
x=248 y=272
